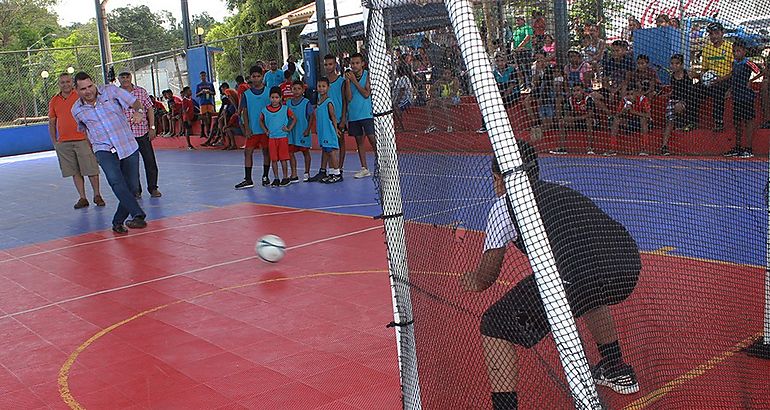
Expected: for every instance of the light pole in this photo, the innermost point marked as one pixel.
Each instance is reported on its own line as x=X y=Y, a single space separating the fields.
x=45 y=74
x=29 y=67
x=152 y=77
x=199 y=31
x=70 y=70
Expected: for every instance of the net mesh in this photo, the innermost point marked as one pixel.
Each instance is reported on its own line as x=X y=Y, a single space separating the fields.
x=618 y=258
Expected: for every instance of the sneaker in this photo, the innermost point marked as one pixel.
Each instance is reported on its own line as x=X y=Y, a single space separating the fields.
x=286 y=182
x=746 y=153
x=643 y=154
x=481 y=130
x=190 y=148
x=332 y=179
x=558 y=151
x=294 y=180
x=620 y=377
x=245 y=184
x=363 y=173
x=610 y=154
x=733 y=152
x=137 y=223
x=430 y=129
x=317 y=177
x=99 y=201
x=306 y=178
x=81 y=203
x=265 y=181
x=276 y=183
x=119 y=228
x=155 y=193
x=450 y=129
x=664 y=151
x=591 y=151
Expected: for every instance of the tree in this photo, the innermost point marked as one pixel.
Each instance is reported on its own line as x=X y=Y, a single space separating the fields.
x=583 y=12
x=144 y=29
x=24 y=22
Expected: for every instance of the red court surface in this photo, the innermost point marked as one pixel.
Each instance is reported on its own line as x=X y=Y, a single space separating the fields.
x=184 y=316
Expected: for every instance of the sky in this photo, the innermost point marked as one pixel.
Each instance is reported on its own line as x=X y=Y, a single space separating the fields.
x=80 y=11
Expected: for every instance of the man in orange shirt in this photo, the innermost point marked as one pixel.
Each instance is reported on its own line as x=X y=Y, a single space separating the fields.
x=76 y=159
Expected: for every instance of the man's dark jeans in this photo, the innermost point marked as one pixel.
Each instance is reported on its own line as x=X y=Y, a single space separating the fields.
x=123 y=177
x=150 y=165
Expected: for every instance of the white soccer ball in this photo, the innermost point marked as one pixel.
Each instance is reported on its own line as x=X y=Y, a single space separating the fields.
x=270 y=248
x=708 y=78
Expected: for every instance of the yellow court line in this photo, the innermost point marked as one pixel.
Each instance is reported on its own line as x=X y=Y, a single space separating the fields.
x=63 y=378
x=696 y=372
x=664 y=250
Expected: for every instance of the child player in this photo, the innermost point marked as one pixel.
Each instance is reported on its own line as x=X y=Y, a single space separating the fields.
x=277 y=120
x=299 y=137
x=360 y=118
x=336 y=93
x=253 y=101
x=188 y=115
x=328 y=134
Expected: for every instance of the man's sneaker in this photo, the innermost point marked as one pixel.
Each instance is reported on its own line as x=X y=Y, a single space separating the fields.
x=610 y=154
x=363 y=173
x=306 y=178
x=246 y=183
x=285 y=182
x=99 y=201
x=317 y=177
x=137 y=223
x=619 y=377
x=276 y=183
x=558 y=151
x=481 y=130
x=265 y=181
x=746 y=153
x=733 y=152
x=643 y=154
x=430 y=129
x=332 y=179
x=119 y=228
x=155 y=193
x=81 y=203
x=293 y=180
x=664 y=151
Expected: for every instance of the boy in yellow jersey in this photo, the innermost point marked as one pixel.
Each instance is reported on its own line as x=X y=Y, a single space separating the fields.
x=718 y=57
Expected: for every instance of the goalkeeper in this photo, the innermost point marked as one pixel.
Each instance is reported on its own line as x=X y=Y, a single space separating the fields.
x=599 y=264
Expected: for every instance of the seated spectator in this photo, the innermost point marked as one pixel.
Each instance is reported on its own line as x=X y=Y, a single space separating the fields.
x=549 y=46
x=662 y=20
x=543 y=95
x=594 y=46
x=645 y=73
x=508 y=81
x=161 y=121
x=634 y=112
x=576 y=72
x=402 y=94
x=675 y=23
x=231 y=123
x=632 y=25
x=445 y=94
x=618 y=67
x=681 y=109
x=577 y=117
x=174 y=112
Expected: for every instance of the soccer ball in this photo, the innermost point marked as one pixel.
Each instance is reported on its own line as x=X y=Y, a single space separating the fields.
x=270 y=248
x=708 y=78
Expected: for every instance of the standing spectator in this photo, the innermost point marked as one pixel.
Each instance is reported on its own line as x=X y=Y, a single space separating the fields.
x=402 y=94
x=522 y=45
x=549 y=47
x=765 y=95
x=446 y=94
x=188 y=115
x=743 y=100
x=628 y=31
x=360 y=116
x=99 y=112
x=76 y=159
x=675 y=23
x=538 y=28
x=594 y=46
x=717 y=55
x=144 y=131
x=274 y=77
x=543 y=94
x=206 y=94
x=435 y=54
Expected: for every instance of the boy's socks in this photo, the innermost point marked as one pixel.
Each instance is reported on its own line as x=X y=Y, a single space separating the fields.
x=247 y=177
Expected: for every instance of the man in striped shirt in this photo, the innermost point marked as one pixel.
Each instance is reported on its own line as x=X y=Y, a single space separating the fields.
x=100 y=114
x=144 y=131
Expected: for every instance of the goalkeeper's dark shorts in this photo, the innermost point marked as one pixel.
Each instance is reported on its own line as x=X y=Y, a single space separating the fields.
x=604 y=275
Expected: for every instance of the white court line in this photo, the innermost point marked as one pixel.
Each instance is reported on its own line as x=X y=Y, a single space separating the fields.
x=690 y=204
x=27 y=157
x=142 y=233
x=196 y=270
x=600 y=164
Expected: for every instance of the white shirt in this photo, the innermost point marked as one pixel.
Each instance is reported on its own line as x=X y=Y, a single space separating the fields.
x=500 y=228
x=403 y=83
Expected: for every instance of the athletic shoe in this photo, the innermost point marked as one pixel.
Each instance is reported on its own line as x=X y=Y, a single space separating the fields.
x=317 y=177
x=733 y=152
x=450 y=129
x=558 y=151
x=276 y=183
x=99 y=201
x=286 y=181
x=119 y=228
x=643 y=154
x=481 y=130
x=155 y=193
x=246 y=183
x=610 y=154
x=306 y=178
x=619 y=377
x=332 y=179
x=430 y=129
x=591 y=152
x=363 y=173
x=265 y=181
x=294 y=180
x=137 y=223
x=664 y=151
x=81 y=203
x=746 y=153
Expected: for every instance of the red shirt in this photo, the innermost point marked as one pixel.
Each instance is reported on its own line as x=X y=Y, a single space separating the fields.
x=640 y=105
x=579 y=105
x=176 y=104
x=188 y=109
x=286 y=92
x=242 y=87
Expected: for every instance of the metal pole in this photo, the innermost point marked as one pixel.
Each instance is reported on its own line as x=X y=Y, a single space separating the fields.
x=31 y=81
x=240 y=54
x=102 y=41
x=561 y=23
x=186 y=25
x=152 y=77
x=320 y=12
x=337 y=35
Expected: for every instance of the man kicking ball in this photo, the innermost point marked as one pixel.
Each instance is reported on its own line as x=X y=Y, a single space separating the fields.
x=599 y=264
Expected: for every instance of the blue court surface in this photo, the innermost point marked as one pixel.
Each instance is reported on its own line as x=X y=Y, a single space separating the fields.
x=706 y=208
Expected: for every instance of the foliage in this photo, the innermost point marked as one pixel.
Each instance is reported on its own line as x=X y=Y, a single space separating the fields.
x=144 y=29
x=25 y=22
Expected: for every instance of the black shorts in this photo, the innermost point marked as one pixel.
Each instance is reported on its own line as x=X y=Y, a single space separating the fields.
x=743 y=110
x=361 y=127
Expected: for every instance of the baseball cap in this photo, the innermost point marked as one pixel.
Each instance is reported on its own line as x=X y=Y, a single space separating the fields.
x=715 y=26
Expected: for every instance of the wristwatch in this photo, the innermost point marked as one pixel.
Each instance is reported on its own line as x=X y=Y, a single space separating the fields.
x=152 y=127
x=141 y=110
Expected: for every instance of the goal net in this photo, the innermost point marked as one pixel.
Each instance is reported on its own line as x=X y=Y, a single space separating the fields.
x=575 y=201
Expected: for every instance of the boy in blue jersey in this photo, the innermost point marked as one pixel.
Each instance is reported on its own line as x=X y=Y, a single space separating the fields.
x=360 y=118
x=253 y=101
x=743 y=100
x=277 y=120
x=328 y=133
x=299 y=137
x=337 y=85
